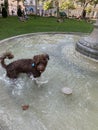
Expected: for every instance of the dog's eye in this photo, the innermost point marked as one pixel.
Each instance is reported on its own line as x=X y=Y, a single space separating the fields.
x=39 y=63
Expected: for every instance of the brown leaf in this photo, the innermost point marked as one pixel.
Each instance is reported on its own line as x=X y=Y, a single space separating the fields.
x=25 y=107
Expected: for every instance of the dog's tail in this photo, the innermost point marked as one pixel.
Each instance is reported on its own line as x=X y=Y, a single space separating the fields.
x=4 y=56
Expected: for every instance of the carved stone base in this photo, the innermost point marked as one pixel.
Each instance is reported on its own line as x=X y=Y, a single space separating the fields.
x=89 y=45
x=86 y=50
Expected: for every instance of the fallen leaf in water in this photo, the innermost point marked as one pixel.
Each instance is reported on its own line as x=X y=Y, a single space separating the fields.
x=25 y=107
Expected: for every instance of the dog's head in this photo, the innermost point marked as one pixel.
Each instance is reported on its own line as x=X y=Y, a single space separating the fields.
x=41 y=61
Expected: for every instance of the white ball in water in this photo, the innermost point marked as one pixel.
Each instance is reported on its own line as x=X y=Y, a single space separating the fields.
x=66 y=90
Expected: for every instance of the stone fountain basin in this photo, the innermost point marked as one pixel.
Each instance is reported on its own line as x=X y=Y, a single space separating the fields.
x=88 y=46
x=87 y=50
x=49 y=108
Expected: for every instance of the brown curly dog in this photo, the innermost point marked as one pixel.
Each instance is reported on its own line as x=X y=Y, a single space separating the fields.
x=34 y=66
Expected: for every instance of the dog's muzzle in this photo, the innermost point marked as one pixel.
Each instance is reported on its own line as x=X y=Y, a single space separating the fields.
x=41 y=68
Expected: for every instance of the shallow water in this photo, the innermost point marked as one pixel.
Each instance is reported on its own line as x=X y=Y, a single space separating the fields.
x=49 y=108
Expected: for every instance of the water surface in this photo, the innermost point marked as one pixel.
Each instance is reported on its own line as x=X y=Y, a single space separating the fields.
x=49 y=108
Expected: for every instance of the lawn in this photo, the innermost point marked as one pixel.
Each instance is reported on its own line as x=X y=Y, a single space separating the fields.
x=11 y=26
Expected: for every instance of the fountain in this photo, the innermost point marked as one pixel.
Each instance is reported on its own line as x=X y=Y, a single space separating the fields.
x=26 y=106
x=89 y=45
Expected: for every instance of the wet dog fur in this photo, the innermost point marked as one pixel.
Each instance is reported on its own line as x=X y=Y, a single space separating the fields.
x=34 y=66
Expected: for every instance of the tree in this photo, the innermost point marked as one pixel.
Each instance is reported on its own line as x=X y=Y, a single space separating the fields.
x=85 y=3
x=94 y=2
x=89 y=9
x=6 y=4
x=48 y=5
x=4 y=12
x=5 y=9
x=68 y=4
x=36 y=1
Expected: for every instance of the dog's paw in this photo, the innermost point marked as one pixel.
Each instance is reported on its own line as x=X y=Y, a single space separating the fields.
x=39 y=83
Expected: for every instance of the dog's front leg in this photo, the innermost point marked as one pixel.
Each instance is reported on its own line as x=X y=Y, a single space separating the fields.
x=35 y=80
x=31 y=76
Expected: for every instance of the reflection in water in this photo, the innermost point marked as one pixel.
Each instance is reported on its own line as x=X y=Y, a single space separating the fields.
x=49 y=108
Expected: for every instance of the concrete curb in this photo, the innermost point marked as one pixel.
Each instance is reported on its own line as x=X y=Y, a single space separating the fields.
x=42 y=33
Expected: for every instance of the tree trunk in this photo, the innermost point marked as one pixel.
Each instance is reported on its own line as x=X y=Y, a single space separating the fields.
x=35 y=7
x=57 y=5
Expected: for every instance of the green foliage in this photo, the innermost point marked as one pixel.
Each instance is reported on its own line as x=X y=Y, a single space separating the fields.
x=94 y=2
x=68 y=4
x=89 y=9
x=86 y=2
x=48 y=5
x=6 y=4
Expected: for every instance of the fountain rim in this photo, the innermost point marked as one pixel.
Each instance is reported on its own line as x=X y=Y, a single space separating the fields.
x=43 y=33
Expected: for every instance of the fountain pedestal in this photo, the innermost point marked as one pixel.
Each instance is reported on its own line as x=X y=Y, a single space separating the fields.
x=89 y=45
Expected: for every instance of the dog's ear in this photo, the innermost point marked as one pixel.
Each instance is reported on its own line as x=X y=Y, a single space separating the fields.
x=36 y=59
x=47 y=56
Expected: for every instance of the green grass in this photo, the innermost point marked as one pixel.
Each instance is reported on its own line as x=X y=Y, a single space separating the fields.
x=11 y=26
